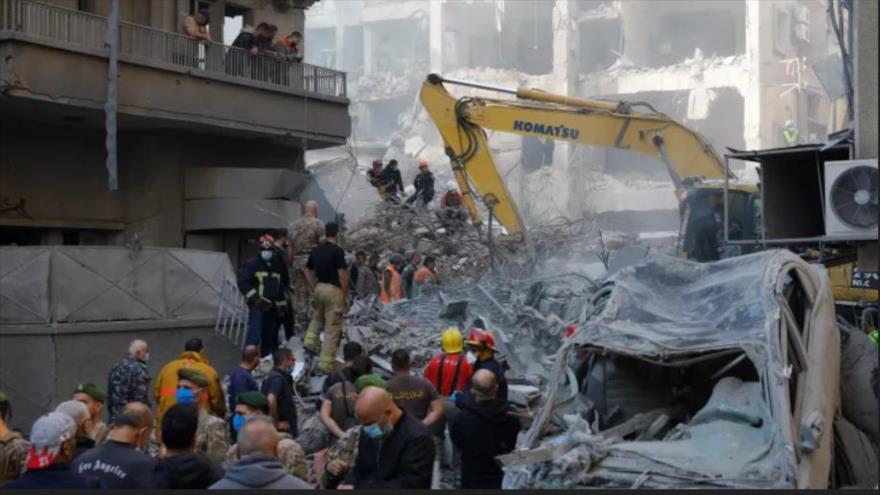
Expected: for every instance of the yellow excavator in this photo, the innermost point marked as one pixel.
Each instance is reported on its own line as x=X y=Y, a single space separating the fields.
x=693 y=165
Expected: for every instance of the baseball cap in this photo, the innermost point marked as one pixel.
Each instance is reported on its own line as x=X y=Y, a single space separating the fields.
x=47 y=435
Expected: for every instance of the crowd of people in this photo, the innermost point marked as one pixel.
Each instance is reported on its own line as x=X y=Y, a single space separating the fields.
x=182 y=429
x=389 y=184
x=254 y=45
x=190 y=433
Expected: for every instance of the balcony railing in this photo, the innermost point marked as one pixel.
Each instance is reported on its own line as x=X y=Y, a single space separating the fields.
x=83 y=31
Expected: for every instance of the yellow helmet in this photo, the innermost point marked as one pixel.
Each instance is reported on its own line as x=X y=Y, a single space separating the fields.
x=451 y=340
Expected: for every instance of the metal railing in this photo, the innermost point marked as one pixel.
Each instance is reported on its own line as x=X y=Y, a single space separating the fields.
x=143 y=44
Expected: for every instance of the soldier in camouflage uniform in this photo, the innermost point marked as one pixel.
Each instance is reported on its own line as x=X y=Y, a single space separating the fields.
x=344 y=450
x=129 y=379
x=291 y=455
x=93 y=397
x=13 y=447
x=212 y=433
x=303 y=235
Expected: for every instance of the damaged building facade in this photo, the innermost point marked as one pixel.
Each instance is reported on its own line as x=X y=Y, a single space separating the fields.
x=207 y=155
x=737 y=71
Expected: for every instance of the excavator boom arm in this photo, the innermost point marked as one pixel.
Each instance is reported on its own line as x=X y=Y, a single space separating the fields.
x=461 y=123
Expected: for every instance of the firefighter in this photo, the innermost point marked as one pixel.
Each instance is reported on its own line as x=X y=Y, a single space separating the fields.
x=262 y=282
x=481 y=353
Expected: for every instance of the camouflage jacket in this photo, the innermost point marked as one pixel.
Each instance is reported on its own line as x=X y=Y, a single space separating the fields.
x=346 y=450
x=127 y=381
x=212 y=436
x=13 y=455
x=304 y=234
x=291 y=455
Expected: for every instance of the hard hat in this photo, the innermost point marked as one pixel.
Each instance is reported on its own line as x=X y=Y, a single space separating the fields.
x=451 y=341
x=480 y=338
x=789 y=123
x=266 y=241
x=450 y=186
x=397 y=260
x=423 y=164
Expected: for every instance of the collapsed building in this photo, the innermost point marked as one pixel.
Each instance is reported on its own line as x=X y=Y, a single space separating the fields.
x=736 y=71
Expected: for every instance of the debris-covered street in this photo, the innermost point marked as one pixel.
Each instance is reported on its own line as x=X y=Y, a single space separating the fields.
x=439 y=244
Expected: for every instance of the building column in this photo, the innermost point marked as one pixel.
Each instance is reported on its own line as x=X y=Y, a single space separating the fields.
x=865 y=78
x=752 y=90
x=435 y=36
x=218 y=18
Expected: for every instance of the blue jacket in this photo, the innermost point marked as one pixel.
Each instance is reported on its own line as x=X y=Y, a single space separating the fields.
x=264 y=283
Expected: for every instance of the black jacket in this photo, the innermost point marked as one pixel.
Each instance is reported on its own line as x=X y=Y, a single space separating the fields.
x=54 y=477
x=402 y=460
x=281 y=383
x=481 y=431
x=424 y=184
x=392 y=176
x=190 y=471
x=264 y=283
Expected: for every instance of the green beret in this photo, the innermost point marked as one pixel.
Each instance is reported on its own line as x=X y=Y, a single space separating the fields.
x=369 y=380
x=254 y=399
x=3 y=398
x=194 y=376
x=92 y=390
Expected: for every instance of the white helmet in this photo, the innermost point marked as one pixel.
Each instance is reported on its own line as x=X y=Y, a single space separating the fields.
x=450 y=186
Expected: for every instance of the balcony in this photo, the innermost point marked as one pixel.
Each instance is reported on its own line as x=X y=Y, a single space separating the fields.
x=58 y=56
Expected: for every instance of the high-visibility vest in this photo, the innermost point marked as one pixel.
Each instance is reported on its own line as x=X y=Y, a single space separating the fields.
x=396 y=284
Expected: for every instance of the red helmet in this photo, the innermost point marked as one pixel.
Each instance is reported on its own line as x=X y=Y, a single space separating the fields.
x=266 y=241
x=481 y=338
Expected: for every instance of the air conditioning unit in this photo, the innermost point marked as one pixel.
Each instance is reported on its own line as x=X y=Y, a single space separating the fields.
x=851 y=208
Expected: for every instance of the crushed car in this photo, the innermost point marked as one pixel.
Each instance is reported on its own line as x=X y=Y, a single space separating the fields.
x=691 y=375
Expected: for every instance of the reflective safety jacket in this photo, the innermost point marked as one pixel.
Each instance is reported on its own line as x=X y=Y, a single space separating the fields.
x=395 y=293
x=263 y=283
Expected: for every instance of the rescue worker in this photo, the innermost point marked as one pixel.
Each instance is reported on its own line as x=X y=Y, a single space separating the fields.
x=291 y=455
x=212 y=435
x=368 y=278
x=377 y=179
x=303 y=235
x=354 y=270
x=165 y=389
x=790 y=133
x=13 y=447
x=449 y=371
x=262 y=282
x=481 y=346
x=391 y=288
x=129 y=380
x=394 y=181
x=424 y=186
x=93 y=397
x=409 y=272
x=426 y=275
x=328 y=274
x=451 y=204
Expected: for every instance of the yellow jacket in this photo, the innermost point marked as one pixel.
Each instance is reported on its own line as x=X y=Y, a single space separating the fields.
x=165 y=387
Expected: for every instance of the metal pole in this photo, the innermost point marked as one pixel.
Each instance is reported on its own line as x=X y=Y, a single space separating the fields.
x=491 y=243
x=111 y=39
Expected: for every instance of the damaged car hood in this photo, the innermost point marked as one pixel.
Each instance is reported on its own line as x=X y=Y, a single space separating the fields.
x=666 y=310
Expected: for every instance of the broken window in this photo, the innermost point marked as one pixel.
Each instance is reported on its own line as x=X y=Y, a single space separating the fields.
x=616 y=389
x=598 y=44
x=527 y=37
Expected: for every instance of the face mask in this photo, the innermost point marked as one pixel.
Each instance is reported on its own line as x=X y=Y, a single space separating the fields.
x=373 y=431
x=237 y=422
x=185 y=396
x=470 y=357
x=266 y=255
x=146 y=357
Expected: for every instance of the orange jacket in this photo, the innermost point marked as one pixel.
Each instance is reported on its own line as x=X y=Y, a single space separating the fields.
x=165 y=387
x=396 y=283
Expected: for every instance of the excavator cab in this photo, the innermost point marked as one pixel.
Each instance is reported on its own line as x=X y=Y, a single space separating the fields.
x=701 y=237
